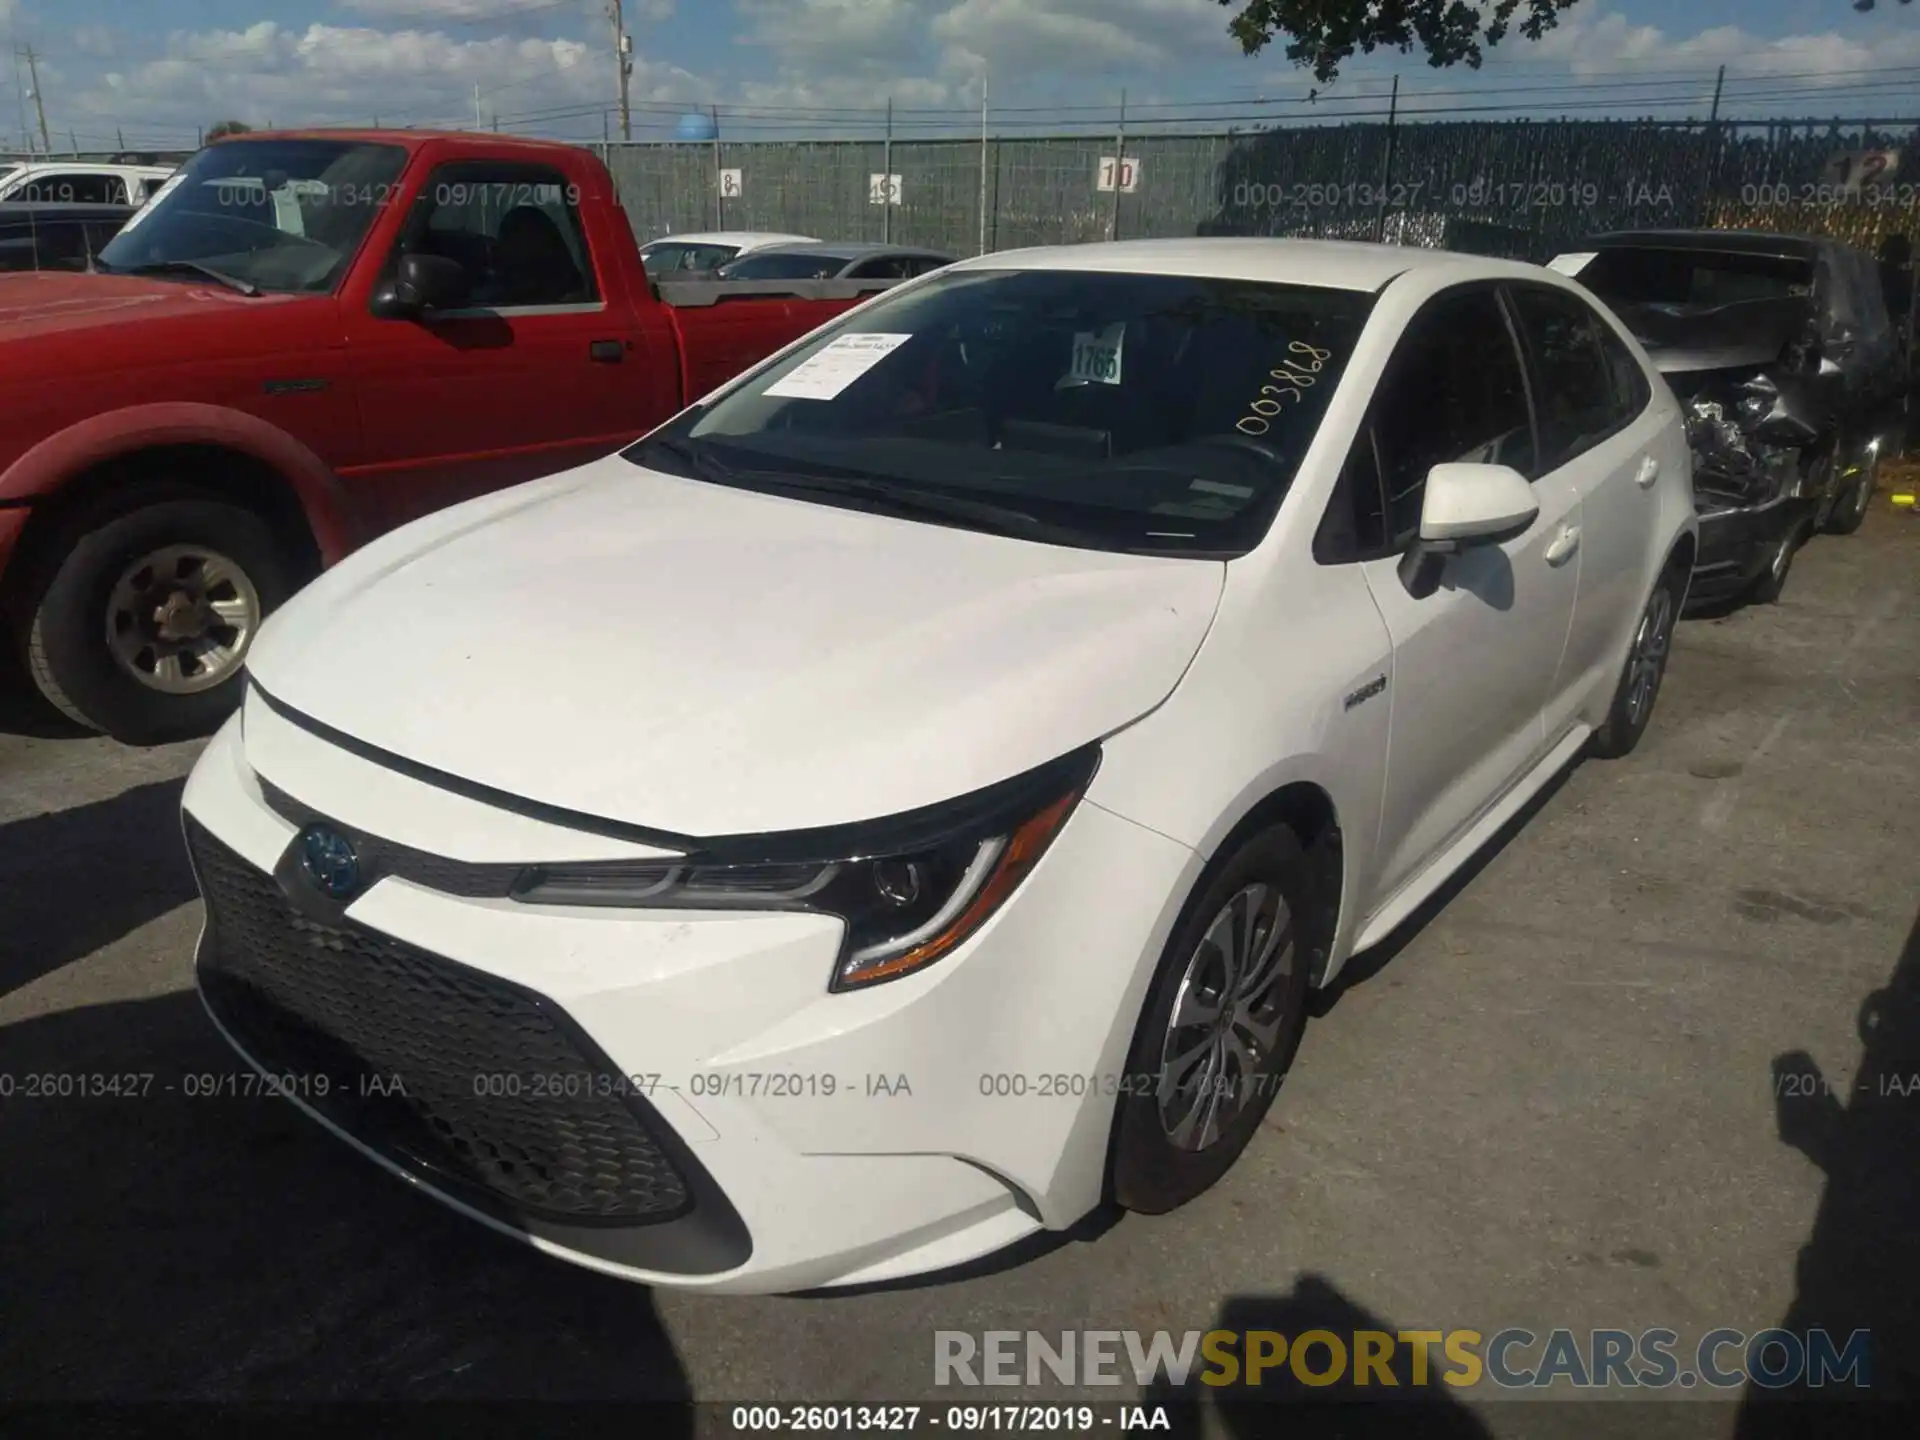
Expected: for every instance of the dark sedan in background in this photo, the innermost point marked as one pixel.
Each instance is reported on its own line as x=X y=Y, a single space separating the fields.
x=1788 y=367
x=57 y=237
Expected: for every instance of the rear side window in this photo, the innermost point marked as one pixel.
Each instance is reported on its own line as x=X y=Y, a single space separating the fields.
x=1577 y=387
x=887 y=267
x=1453 y=392
x=777 y=265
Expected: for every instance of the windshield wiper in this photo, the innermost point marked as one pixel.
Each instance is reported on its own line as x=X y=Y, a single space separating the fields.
x=188 y=267
x=929 y=504
x=692 y=454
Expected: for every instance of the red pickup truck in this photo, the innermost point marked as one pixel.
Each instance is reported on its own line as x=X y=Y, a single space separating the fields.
x=304 y=339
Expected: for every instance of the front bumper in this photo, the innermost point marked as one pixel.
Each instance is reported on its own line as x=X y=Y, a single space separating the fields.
x=1736 y=545
x=673 y=1097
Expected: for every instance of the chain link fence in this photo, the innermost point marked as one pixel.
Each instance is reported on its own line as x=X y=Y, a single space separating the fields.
x=1525 y=188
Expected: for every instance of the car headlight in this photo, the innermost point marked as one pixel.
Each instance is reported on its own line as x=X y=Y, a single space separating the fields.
x=910 y=889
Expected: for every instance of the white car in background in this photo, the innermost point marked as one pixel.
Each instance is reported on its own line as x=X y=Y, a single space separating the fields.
x=74 y=182
x=937 y=767
x=703 y=251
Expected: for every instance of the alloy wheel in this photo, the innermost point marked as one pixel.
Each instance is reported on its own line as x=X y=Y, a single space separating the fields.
x=1228 y=1017
x=1649 y=660
x=180 y=619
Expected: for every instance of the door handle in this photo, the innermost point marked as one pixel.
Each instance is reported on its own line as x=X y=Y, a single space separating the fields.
x=1564 y=544
x=1649 y=472
x=607 y=352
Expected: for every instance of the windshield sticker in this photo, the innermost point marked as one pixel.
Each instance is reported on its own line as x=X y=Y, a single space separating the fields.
x=1574 y=263
x=1097 y=357
x=173 y=183
x=830 y=370
x=1295 y=375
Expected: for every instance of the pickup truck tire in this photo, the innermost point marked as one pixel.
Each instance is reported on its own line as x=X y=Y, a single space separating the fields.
x=140 y=622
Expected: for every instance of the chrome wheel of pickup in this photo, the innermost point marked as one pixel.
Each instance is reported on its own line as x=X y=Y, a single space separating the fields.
x=180 y=619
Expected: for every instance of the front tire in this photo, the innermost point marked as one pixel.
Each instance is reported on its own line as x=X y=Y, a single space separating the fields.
x=1639 y=687
x=1222 y=1023
x=140 y=623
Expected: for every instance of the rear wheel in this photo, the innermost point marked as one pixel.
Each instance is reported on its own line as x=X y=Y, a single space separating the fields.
x=140 y=623
x=1639 y=686
x=1220 y=1029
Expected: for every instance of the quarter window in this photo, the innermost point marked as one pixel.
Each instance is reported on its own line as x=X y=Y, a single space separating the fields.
x=1579 y=383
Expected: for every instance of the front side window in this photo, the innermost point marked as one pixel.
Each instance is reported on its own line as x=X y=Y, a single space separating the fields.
x=784 y=265
x=1577 y=395
x=1453 y=393
x=1147 y=413
x=514 y=229
x=280 y=215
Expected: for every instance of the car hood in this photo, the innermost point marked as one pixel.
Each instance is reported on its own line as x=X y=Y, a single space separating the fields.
x=708 y=661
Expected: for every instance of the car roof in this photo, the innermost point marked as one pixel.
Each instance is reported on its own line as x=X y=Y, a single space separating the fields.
x=759 y=239
x=852 y=250
x=88 y=167
x=1722 y=242
x=1326 y=264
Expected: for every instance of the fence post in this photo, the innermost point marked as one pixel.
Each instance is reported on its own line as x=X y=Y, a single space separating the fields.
x=719 y=189
x=1386 y=165
x=1708 y=180
x=1119 y=167
x=886 y=182
x=983 y=161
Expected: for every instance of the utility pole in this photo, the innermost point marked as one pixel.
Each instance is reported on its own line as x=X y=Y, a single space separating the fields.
x=20 y=94
x=623 y=57
x=39 y=104
x=477 y=122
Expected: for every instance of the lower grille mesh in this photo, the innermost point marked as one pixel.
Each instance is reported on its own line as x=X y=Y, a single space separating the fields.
x=440 y=1067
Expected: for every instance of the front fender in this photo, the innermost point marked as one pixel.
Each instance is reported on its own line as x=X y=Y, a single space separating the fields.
x=42 y=470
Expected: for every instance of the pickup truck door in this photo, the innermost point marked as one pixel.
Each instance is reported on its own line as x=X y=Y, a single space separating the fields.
x=545 y=367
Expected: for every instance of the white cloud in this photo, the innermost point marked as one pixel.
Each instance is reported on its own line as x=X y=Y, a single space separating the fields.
x=1602 y=42
x=1021 y=36
x=330 y=74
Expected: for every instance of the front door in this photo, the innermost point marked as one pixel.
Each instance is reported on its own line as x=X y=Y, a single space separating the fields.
x=537 y=372
x=1474 y=664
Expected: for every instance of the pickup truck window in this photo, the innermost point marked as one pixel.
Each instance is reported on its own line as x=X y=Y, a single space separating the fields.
x=281 y=215
x=1147 y=413
x=515 y=229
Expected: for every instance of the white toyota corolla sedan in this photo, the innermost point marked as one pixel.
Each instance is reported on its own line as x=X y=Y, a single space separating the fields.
x=905 y=802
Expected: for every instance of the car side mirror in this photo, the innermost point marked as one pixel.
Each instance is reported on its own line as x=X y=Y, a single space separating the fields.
x=421 y=285
x=1465 y=506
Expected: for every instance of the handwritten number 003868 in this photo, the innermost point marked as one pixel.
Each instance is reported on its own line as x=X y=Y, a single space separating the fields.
x=1297 y=374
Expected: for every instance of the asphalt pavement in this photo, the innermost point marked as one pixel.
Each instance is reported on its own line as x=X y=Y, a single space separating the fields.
x=1581 y=1092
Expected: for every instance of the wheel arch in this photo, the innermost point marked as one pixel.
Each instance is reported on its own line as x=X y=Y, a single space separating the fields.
x=223 y=453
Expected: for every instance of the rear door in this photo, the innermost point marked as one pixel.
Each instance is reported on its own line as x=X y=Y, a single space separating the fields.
x=1474 y=663
x=1600 y=436
x=542 y=369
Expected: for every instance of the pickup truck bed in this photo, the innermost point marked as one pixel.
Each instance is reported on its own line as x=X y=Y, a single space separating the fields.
x=305 y=339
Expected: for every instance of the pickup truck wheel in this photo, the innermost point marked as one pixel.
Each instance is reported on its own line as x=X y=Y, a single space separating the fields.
x=143 y=621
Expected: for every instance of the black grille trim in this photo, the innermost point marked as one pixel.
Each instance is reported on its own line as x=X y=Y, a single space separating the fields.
x=586 y=1163
x=381 y=858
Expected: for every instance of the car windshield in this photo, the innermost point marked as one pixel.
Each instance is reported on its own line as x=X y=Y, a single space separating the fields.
x=785 y=265
x=279 y=215
x=1145 y=413
x=670 y=256
x=1701 y=278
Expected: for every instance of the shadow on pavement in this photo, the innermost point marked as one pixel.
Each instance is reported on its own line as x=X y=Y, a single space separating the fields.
x=22 y=711
x=1860 y=1268
x=168 y=1246
x=1280 y=1404
x=74 y=880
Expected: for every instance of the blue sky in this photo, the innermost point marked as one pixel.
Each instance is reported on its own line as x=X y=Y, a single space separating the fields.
x=153 y=72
